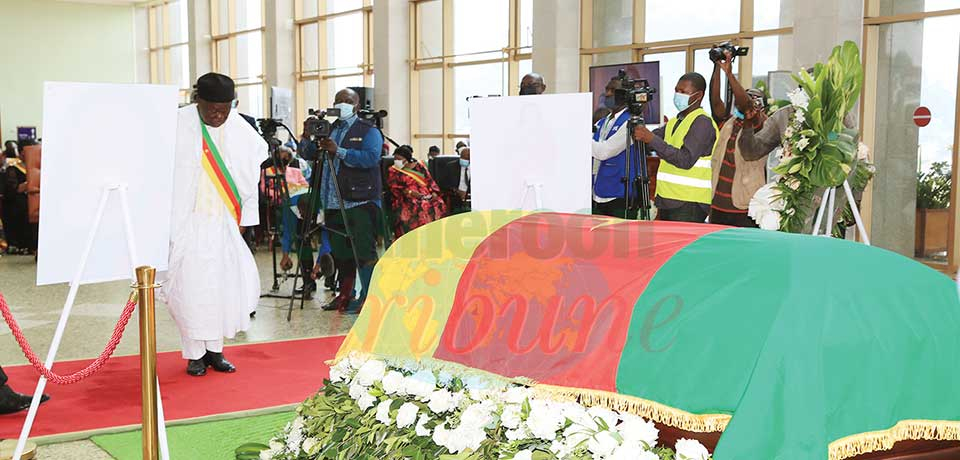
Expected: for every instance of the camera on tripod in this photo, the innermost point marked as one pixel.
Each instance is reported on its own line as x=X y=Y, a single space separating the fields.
x=634 y=93
x=717 y=52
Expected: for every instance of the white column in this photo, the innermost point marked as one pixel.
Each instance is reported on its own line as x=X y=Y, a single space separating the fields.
x=279 y=46
x=391 y=50
x=556 y=44
x=198 y=22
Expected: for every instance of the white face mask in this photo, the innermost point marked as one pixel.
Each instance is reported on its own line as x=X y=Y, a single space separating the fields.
x=398 y=163
x=346 y=110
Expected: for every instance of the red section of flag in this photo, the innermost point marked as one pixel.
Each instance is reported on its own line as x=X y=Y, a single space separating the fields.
x=921 y=116
x=550 y=296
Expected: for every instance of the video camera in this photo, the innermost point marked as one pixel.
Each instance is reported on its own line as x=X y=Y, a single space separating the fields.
x=316 y=126
x=634 y=93
x=373 y=116
x=268 y=129
x=717 y=52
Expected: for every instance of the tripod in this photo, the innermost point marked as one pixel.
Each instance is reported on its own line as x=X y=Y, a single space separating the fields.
x=636 y=152
x=306 y=232
x=275 y=214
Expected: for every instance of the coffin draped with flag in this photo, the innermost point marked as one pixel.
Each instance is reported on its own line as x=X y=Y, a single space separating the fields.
x=795 y=347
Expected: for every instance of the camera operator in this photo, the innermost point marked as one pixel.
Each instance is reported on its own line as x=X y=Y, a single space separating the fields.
x=354 y=147
x=737 y=175
x=685 y=145
x=610 y=150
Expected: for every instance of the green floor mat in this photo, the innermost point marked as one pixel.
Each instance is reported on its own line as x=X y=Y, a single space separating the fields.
x=207 y=440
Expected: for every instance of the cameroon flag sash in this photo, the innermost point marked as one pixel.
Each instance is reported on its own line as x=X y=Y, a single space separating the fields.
x=219 y=175
x=413 y=175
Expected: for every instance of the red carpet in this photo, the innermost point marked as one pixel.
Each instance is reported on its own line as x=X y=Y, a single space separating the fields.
x=268 y=375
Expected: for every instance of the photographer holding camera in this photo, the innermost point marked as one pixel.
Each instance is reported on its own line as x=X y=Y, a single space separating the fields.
x=685 y=145
x=354 y=147
x=737 y=175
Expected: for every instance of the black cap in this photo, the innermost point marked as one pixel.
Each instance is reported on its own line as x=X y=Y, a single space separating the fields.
x=214 y=87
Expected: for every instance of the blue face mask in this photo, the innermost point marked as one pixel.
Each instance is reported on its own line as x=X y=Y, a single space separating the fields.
x=464 y=163
x=346 y=110
x=681 y=101
x=737 y=113
x=608 y=102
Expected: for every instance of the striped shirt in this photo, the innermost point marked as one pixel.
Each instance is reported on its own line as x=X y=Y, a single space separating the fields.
x=723 y=195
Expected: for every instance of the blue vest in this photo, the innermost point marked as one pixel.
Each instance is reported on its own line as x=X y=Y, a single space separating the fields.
x=609 y=180
x=358 y=184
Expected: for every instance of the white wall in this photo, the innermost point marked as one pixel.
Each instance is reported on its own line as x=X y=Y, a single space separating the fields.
x=44 y=40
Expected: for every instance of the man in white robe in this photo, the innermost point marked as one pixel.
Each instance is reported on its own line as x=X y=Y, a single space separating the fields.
x=212 y=284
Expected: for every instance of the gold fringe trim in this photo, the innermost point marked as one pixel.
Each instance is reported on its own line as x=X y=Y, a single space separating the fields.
x=905 y=430
x=706 y=423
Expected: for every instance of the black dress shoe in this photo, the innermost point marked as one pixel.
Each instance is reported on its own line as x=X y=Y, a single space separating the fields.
x=338 y=303
x=218 y=363
x=354 y=307
x=196 y=367
x=11 y=401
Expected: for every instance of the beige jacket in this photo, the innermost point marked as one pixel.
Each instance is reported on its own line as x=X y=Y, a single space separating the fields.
x=750 y=174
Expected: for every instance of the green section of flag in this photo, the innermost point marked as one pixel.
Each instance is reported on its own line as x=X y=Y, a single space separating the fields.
x=803 y=340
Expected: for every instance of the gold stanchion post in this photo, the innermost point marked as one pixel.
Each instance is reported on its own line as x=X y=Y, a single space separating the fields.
x=146 y=286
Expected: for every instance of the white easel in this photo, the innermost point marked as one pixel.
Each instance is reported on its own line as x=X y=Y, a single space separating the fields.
x=68 y=307
x=827 y=204
x=537 y=189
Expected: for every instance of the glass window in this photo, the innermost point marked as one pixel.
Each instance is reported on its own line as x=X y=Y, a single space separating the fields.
x=772 y=14
x=431 y=101
x=891 y=7
x=308 y=8
x=249 y=57
x=250 y=100
x=345 y=53
x=430 y=29
x=672 y=66
x=223 y=56
x=311 y=95
x=223 y=16
x=526 y=23
x=471 y=81
x=612 y=22
x=525 y=66
x=249 y=14
x=177 y=22
x=767 y=56
x=925 y=54
x=697 y=18
x=180 y=62
x=308 y=45
x=336 y=6
x=480 y=25
x=618 y=57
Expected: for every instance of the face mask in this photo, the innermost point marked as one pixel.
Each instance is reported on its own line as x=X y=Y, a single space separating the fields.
x=464 y=163
x=528 y=90
x=608 y=102
x=346 y=110
x=398 y=163
x=737 y=113
x=682 y=101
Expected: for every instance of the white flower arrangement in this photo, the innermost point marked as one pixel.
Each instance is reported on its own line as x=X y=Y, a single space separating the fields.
x=765 y=207
x=423 y=414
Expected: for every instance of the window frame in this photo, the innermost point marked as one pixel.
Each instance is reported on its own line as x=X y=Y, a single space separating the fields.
x=159 y=44
x=231 y=37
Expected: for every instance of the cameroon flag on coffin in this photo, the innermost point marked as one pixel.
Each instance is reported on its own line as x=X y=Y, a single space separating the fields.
x=796 y=347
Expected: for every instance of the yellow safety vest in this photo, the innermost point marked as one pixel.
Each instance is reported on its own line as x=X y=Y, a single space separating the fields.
x=691 y=185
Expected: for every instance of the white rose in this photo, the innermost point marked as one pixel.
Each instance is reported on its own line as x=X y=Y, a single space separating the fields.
x=441 y=401
x=525 y=454
x=803 y=143
x=309 y=444
x=516 y=395
x=340 y=372
x=632 y=451
x=356 y=391
x=370 y=372
x=544 y=420
x=518 y=434
x=441 y=435
x=422 y=429
x=560 y=449
x=608 y=416
x=602 y=444
x=420 y=384
x=383 y=411
x=691 y=449
x=471 y=438
x=511 y=416
x=477 y=415
x=366 y=401
x=406 y=415
x=637 y=430
x=392 y=382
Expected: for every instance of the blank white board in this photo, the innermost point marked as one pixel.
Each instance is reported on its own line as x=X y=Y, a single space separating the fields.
x=523 y=140
x=98 y=135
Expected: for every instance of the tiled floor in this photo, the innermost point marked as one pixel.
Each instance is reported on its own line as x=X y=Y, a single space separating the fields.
x=97 y=309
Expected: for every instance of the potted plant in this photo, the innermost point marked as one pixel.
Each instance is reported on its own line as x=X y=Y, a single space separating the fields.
x=933 y=201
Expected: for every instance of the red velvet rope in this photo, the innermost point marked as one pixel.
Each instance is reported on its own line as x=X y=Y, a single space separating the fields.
x=83 y=373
